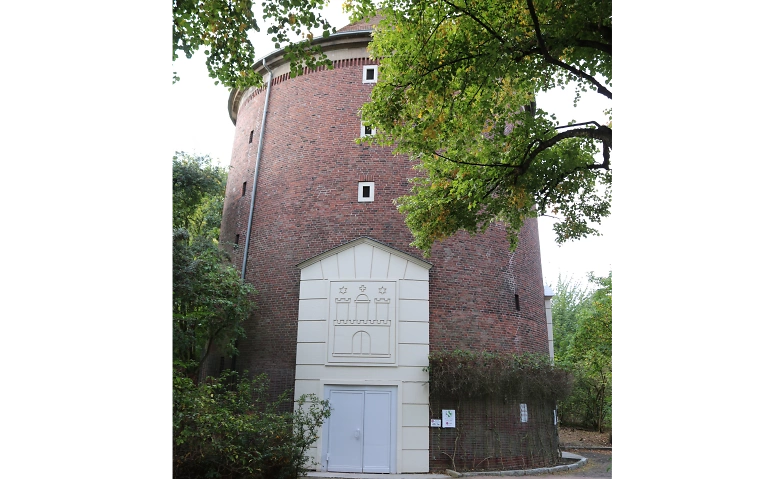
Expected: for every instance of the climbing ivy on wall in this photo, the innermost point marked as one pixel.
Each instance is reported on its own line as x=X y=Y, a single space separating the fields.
x=474 y=375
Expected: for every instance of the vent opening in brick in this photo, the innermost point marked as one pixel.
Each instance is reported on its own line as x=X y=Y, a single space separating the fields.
x=366 y=130
x=366 y=191
x=244 y=186
x=237 y=239
x=517 y=302
x=250 y=140
x=369 y=73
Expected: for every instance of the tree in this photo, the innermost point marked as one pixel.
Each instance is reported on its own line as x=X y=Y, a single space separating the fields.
x=210 y=300
x=222 y=26
x=225 y=427
x=198 y=187
x=594 y=330
x=582 y=329
x=568 y=303
x=456 y=93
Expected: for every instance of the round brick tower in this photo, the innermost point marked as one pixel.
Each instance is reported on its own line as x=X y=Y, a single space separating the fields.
x=347 y=309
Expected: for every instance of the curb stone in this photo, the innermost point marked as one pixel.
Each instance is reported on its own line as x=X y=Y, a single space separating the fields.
x=534 y=472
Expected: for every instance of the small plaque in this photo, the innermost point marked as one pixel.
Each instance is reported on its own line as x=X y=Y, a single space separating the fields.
x=448 y=417
x=435 y=423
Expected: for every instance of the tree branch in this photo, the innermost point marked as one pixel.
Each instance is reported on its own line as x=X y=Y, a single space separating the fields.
x=452 y=62
x=545 y=192
x=602 y=47
x=578 y=124
x=602 y=133
x=521 y=55
x=550 y=59
x=477 y=20
x=435 y=29
x=418 y=76
x=491 y=190
x=473 y=164
x=603 y=30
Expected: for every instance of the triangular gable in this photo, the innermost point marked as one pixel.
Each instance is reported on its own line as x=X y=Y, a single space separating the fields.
x=364 y=240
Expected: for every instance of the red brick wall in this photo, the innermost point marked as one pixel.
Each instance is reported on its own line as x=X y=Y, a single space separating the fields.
x=472 y=287
x=307 y=203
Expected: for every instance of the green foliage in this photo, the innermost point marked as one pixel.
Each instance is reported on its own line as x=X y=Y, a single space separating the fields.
x=569 y=300
x=222 y=26
x=456 y=93
x=198 y=188
x=590 y=403
x=586 y=350
x=210 y=301
x=293 y=22
x=593 y=339
x=227 y=428
x=470 y=375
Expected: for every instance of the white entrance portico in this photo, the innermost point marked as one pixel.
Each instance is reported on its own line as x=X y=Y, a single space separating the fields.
x=362 y=343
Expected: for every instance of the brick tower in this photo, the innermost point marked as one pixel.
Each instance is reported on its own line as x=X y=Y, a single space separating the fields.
x=347 y=309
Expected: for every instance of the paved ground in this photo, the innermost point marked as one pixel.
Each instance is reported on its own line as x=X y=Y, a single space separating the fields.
x=599 y=462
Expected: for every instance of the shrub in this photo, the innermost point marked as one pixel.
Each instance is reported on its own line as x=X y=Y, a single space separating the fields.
x=590 y=403
x=227 y=428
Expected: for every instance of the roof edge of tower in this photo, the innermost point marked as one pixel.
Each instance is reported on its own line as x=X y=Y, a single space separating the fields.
x=275 y=59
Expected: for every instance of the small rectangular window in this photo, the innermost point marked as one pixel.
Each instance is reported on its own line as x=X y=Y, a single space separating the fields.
x=244 y=186
x=370 y=74
x=366 y=191
x=250 y=140
x=237 y=239
x=367 y=130
x=517 y=302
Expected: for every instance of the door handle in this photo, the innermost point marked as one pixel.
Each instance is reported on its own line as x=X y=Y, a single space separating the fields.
x=356 y=434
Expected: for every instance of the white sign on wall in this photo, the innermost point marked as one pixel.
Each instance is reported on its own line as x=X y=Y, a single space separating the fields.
x=448 y=417
x=435 y=423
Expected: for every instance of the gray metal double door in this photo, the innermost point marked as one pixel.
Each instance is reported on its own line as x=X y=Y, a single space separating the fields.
x=361 y=432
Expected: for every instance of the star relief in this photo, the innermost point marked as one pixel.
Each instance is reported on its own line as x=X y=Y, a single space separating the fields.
x=382 y=290
x=362 y=288
x=343 y=290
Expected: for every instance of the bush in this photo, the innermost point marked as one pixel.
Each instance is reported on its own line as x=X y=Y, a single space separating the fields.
x=226 y=428
x=590 y=403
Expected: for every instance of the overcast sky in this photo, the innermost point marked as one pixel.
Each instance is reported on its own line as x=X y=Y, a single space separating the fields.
x=201 y=124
